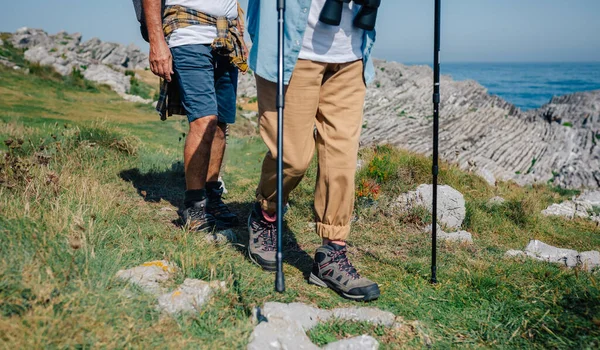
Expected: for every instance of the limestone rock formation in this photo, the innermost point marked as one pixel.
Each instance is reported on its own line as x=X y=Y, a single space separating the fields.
x=451 y=203
x=581 y=207
x=189 y=296
x=539 y=250
x=100 y=62
x=284 y=326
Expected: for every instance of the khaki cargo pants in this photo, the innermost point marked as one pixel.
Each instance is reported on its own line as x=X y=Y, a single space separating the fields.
x=330 y=97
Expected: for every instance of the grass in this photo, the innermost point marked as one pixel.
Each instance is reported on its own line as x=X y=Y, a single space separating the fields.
x=89 y=185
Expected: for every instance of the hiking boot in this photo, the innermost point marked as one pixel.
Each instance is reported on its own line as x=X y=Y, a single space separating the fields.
x=216 y=207
x=196 y=218
x=262 y=240
x=332 y=269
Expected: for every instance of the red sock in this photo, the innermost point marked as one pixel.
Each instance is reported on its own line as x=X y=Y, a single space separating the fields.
x=269 y=218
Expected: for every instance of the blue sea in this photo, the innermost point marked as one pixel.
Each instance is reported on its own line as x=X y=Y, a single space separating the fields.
x=528 y=85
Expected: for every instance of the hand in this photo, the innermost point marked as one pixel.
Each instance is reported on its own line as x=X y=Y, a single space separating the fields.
x=161 y=61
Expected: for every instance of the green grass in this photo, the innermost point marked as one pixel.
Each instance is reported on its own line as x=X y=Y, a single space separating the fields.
x=89 y=185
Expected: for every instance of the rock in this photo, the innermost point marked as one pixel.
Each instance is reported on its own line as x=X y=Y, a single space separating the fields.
x=149 y=275
x=538 y=250
x=545 y=252
x=250 y=115
x=496 y=201
x=189 y=296
x=220 y=237
x=364 y=342
x=284 y=326
x=135 y=99
x=460 y=236
x=581 y=206
x=102 y=74
x=488 y=176
x=515 y=253
x=365 y=314
x=589 y=260
x=451 y=203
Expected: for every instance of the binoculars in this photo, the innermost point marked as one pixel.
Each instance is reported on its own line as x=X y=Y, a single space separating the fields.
x=365 y=18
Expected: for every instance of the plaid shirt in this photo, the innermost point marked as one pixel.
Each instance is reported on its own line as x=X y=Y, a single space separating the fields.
x=229 y=42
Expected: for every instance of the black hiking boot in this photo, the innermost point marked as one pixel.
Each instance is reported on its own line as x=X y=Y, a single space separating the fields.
x=262 y=240
x=216 y=207
x=332 y=269
x=196 y=218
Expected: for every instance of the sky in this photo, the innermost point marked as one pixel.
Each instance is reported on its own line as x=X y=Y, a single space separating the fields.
x=472 y=30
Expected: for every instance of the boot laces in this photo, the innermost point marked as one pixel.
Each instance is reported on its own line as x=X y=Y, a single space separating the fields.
x=266 y=234
x=344 y=264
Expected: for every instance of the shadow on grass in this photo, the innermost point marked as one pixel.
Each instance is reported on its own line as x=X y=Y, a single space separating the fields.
x=169 y=185
x=154 y=186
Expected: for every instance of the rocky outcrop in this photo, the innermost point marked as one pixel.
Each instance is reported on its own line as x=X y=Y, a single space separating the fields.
x=100 y=62
x=538 y=250
x=451 y=208
x=284 y=326
x=584 y=206
x=482 y=132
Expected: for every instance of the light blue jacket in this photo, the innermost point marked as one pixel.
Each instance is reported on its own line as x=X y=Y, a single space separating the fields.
x=262 y=27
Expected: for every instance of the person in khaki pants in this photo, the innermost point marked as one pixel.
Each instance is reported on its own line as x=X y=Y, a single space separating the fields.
x=326 y=89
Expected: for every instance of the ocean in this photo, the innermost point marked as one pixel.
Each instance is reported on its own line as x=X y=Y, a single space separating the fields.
x=528 y=85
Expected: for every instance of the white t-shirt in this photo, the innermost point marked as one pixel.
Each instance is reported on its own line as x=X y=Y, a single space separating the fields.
x=332 y=44
x=201 y=34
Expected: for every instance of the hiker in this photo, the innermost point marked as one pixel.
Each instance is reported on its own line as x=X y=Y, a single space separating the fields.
x=326 y=68
x=198 y=53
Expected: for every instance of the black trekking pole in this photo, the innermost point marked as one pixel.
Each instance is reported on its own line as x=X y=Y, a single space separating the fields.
x=436 y=130
x=279 y=279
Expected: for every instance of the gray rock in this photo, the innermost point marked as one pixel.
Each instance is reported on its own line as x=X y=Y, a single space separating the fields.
x=284 y=326
x=581 y=206
x=189 y=296
x=149 y=275
x=496 y=201
x=135 y=98
x=102 y=74
x=545 y=252
x=488 y=176
x=589 y=260
x=515 y=253
x=365 y=314
x=451 y=203
x=360 y=164
x=364 y=342
x=538 y=250
x=460 y=236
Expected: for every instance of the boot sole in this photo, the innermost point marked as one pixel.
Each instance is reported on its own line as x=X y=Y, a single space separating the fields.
x=313 y=279
x=267 y=266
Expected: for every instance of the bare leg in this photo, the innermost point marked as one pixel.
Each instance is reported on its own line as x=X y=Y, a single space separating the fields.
x=216 y=153
x=197 y=151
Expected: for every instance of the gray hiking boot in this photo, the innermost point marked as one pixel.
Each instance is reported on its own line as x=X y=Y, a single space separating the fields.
x=262 y=240
x=332 y=269
x=196 y=218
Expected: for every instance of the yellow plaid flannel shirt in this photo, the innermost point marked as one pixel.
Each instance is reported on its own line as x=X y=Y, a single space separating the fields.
x=229 y=42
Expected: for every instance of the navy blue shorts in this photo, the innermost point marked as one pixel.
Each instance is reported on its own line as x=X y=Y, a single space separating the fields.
x=207 y=82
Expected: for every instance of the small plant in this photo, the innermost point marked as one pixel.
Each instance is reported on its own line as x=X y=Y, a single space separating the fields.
x=380 y=168
x=382 y=69
x=130 y=73
x=253 y=100
x=368 y=189
x=533 y=161
x=568 y=124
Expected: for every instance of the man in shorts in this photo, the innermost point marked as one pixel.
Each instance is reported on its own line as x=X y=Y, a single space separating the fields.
x=197 y=47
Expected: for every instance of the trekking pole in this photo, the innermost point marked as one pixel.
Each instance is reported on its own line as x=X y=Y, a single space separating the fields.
x=436 y=130
x=279 y=278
